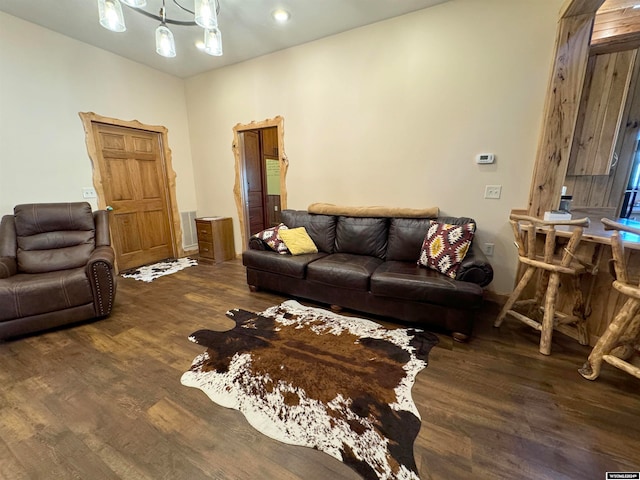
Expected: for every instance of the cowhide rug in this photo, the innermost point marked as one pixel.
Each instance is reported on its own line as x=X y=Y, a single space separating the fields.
x=306 y=376
x=149 y=273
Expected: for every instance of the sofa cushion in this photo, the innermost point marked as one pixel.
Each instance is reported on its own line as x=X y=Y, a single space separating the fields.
x=406 y=236
x=24 y=294
x=445 y=246
x=271 y=237
x=362 y=236
x=321 y=228
x=409 y=281
x=298 y=241
x=291 y=266
x=344 y=270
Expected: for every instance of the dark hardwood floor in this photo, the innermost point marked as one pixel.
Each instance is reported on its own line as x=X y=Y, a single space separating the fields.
x=103 y=400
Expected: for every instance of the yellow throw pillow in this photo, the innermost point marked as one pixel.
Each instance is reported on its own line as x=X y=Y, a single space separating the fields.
x=298 y=241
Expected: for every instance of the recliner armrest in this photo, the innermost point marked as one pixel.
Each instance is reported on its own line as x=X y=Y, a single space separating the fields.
x=102 y=254
x=8 y=267
x=101 y=220
x=102 y=279
x=475 y=267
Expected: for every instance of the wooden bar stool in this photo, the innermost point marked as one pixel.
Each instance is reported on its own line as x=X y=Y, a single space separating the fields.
x=622 y=337
x=554 y=261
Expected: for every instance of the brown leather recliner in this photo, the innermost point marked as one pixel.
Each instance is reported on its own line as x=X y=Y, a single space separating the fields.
x=56 y=267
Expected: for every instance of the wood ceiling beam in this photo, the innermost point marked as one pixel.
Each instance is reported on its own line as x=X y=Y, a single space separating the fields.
x=574 y=8
x=617 y=27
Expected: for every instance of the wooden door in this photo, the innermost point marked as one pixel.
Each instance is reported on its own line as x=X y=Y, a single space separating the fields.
x=132 y=169
x=276 y=173
x=254 y=182
x=271 y=170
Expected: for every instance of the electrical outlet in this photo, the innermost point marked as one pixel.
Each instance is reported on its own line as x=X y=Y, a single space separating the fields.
x=492 y=191
x=488 y=249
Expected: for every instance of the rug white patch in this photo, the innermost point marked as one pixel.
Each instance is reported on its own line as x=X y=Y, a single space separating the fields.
x=149 y=273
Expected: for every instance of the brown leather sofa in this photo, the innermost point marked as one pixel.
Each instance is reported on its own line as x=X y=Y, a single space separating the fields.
x=369 y=265
x=56 y=267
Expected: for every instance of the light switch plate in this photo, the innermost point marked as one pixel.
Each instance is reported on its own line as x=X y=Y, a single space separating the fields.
x=89 y=192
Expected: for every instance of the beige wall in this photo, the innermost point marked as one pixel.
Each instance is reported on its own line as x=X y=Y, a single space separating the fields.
x=45 y=80
x=390 y=114
x=394 y=114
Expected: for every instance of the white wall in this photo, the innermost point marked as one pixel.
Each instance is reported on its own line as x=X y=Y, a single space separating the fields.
x=394 y=114
x=390 y=114
x=45 y=80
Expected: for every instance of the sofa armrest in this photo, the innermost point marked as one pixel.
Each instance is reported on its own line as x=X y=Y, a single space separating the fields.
x=8 y=267
x=257 y=244
x=475 y=267
x=102 y=279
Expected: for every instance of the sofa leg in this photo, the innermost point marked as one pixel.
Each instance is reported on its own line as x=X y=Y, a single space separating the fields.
x=254 y=289
x=336 y=308
x=460 y=337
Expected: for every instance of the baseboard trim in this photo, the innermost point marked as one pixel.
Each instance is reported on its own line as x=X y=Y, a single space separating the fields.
x=494 y=297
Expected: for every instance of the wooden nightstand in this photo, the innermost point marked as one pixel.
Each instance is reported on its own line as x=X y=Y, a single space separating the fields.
x=215 y=238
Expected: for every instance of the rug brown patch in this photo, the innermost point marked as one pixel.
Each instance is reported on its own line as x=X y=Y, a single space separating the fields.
x=306 y=376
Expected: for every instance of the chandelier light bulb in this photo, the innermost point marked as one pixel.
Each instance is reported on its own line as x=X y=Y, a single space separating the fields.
x=213 y=42
x=111 y=17
x=165 y=44
x=135 y=3
x=205 y=14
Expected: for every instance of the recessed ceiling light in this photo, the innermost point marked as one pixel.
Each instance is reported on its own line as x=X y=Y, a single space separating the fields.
x=281 y=16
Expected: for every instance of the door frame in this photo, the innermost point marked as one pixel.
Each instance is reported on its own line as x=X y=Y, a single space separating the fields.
x=88 y=119
x=239 y=188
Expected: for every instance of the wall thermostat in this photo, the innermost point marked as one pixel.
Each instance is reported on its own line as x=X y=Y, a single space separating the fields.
x=485 y=158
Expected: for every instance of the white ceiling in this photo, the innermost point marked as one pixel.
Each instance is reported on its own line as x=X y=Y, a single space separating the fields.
x=248 y=29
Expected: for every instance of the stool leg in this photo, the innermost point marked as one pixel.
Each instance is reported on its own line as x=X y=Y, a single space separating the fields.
x=514 y=295
x=541 y=290
x=630 y=338
x=578 y=311
x=549 y=313
x=591 y=369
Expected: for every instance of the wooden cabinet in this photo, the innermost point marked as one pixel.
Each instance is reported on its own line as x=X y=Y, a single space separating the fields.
x=215 y=238
x=601 y=109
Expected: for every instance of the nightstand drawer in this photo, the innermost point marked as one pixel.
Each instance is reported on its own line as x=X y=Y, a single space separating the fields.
x=206 y=249
x=205 y=231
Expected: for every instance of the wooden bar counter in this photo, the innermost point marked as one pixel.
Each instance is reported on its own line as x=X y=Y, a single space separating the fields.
x=602 y=301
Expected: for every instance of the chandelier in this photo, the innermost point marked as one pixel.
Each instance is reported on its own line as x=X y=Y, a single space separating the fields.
x=205 y=14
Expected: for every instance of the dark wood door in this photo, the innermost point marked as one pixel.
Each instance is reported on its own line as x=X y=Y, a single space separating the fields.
x=132 y=169
x=271 y=166
x=254 y=182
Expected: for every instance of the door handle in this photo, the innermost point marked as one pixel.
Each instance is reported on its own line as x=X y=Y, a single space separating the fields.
x=109 y=208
